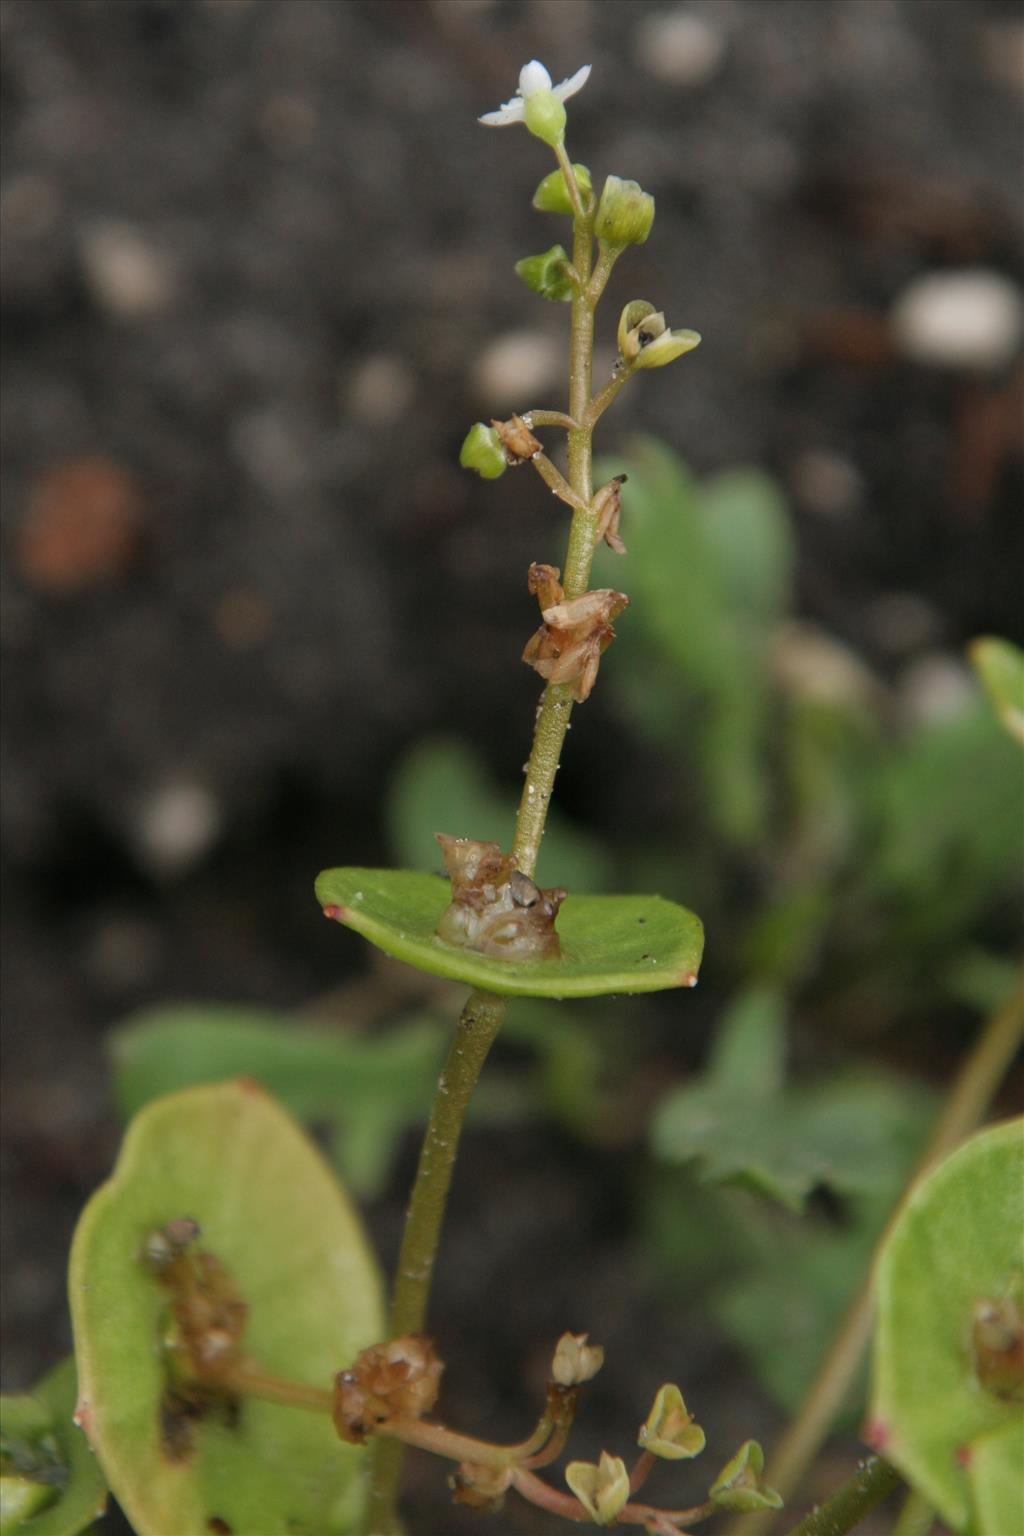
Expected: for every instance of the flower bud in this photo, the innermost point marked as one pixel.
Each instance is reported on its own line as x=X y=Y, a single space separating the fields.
x=575 y=1361
x=670 y=1431
x=482 y=451
x=552 y=196
x=603 y=1490
x=625 y=213
x=739 y=1486
x=547 y=274
x=544 y=116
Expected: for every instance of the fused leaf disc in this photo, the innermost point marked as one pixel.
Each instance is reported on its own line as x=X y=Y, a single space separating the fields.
x=608 y=943
x=958 y=1241
x=274 y=1216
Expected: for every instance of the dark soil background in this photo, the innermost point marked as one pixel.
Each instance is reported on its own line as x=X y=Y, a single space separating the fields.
x=256 y=284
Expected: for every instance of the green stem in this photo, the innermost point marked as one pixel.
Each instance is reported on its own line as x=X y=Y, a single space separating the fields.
x=557 y=699
x=852 y=1502
x=482 y=1016
x=478 y=1025
x=969 y=1097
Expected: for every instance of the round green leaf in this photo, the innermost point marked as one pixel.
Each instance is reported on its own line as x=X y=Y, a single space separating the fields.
x=272 y=1213
x=40 y=1438
x=960 y=1238
x=609 y=943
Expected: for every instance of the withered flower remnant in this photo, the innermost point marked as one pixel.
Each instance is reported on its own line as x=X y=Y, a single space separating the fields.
x=517 y=440
x=495 y=909
x=607 y=506
x=568 y=646
x=482 y=1488
x=396 y=1380
x=997 y=1342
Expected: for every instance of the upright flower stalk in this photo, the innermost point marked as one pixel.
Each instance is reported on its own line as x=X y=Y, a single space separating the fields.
x=568 y=645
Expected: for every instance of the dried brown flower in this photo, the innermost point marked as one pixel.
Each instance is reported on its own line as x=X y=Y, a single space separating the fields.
x=517 y=440
x=607 y=505
x=495 y=908
x=482 y=1488
x=399 y=1379
x=567 y=648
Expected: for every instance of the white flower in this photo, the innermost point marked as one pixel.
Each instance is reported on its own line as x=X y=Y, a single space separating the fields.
x=533 y=80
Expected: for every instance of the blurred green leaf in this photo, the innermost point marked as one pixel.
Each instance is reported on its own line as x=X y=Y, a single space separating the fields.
x=742 y=1127
x=748 y=526
x=369 y=1089
x=958 y=1240
x=609 y=943
x=272 y=1213
x=1000 y=666
x=441 y=786
x=52 y=1485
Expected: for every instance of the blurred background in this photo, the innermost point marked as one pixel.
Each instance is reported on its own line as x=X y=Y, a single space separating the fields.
x=256 y=284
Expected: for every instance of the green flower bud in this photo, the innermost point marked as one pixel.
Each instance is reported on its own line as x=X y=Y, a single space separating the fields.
x=552 y=196
x=544 y=116
x=645 y=340
x=483 y=452
x=670 y=1431
x=738 y=1486
x=625 y=213
x=603 y=1490
x=546 y=274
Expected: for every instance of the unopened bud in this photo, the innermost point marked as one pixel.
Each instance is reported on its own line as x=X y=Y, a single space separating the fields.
x=603 y=1490
x=670 y=1431
x=575 y=1361
x=624 y=214
x=552 y=196
x=482 y=451
x=547 y=274
x=739 y=1485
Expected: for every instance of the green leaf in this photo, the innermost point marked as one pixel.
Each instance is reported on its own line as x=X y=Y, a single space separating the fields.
x=274 y=1216
x=747 y=525
x=960 y=1238
x=369 y=1089
x=609 y=943
x=1000 y=666
x=783 y=1142
x=53 y=1477
x=442 y=786
x=995 y=1473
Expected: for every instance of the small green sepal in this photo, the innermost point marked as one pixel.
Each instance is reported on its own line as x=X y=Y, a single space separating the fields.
x=739 y=1485
x=547 y=274
x=552 y=196
x=482 y=451
x=602 y=1488
x=544 y=116
x=670 y=1431
x=625 y=213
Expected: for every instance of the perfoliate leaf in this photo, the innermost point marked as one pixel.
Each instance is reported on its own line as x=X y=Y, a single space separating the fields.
x=53 y=1485
x=272 y=1214
x=958 y=1240
x=995 y=1472
x=608 y=943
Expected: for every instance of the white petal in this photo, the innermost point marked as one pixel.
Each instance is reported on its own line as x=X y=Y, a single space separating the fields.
x=511 y=112
x=533 y=77
x=574 y=83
